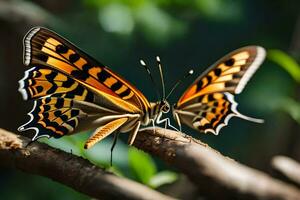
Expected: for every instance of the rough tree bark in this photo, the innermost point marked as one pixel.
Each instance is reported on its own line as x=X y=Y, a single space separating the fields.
x=69 y=169
x=216 y=176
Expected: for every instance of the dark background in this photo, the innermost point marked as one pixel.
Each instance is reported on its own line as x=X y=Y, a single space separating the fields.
x=185 y=34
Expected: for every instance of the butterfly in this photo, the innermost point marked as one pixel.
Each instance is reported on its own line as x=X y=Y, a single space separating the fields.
x=208 y=103
x=73 y=92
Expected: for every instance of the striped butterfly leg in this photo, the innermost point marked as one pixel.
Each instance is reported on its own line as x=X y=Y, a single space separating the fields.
x=104 y=131
x=53 y=117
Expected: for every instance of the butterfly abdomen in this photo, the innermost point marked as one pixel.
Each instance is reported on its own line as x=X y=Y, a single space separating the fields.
x=154 y=111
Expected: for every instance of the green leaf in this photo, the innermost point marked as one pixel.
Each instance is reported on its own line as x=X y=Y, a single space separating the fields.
x=286 y=62
x=65 y=143
x=116 y=18
x=219 y=10
x=100 y=153
x=142 y=165
x=291 y=107
x=161 y=27
x=161 y=178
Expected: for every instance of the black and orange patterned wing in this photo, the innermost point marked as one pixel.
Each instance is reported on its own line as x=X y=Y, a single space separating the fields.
x=43 y=47
x=208 y=104
x=71 y=90
x=40 y=82
x=60 y=103
x=53 y=116
x=229 y=74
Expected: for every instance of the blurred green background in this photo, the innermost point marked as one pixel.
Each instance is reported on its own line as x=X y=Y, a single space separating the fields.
x=185 y=34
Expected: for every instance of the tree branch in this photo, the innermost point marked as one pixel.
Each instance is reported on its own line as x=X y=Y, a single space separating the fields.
x=216 y=176
x=287 y=167
x=23 y=12
x=69 y=169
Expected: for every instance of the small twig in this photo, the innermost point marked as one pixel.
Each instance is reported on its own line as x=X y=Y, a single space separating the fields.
x=287 y=167
x=216 y=176
x=23 y=11
x=69 y=169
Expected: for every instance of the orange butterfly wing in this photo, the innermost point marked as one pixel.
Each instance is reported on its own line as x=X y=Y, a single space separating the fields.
x=229 y=74
x=45 y=48
x=208 y=104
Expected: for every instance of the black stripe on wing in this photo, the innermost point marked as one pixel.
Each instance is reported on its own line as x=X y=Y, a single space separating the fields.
x=40 y=82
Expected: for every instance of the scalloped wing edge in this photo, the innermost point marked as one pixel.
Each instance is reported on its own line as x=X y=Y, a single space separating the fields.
x=22 y=83
x=235 y=113
x=37 y=131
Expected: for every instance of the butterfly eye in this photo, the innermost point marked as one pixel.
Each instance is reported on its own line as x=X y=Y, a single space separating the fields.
x=166 y=108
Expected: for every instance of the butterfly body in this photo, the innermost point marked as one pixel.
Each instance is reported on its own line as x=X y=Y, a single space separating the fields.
x=74 y=92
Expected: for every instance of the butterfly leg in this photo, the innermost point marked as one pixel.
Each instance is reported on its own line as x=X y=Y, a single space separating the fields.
x=177 y=119
x=133 y=134
x=153 y=124
x=29 y=143
x=104 y=131
x=166 y=121
x=116 y=135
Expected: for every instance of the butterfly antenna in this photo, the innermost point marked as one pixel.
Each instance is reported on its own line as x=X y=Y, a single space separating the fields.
x=151 y=77
x=179 y=81
x=161 y=77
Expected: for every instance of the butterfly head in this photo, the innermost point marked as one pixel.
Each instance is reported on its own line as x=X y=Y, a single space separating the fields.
x=164 y=106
